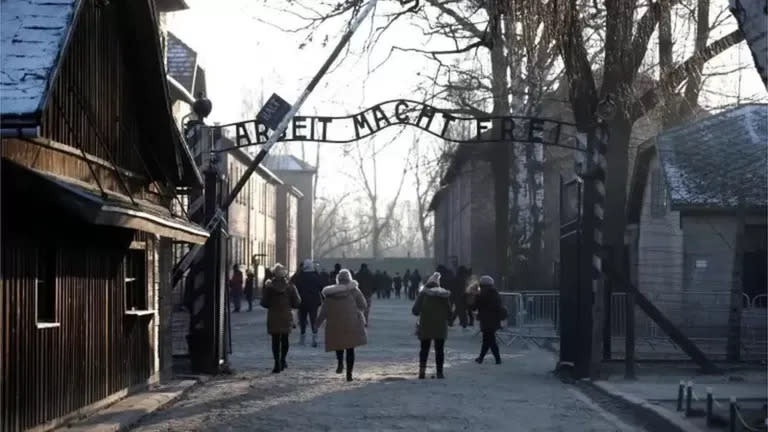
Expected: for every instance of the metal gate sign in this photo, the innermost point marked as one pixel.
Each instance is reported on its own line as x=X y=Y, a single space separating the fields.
x=273 y=111
x=399 y=112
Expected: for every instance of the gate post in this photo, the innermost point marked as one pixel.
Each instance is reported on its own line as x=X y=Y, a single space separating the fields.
x=591 y=298
x=207 y=299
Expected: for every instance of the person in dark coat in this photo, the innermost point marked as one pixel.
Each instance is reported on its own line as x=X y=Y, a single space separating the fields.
x=236 y=286
x=309 y=284
x=397 y=283
x=458 y=294
x=415 y=283
x=325 y=277
x=334 y=273
x=250 y=288
x=365 y=282
x=433 y=307
x=490 y=314
x=406 y=282
x=378 y=284
x=279 y=298
x=387 y=283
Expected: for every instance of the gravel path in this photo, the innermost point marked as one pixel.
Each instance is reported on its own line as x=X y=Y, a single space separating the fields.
x=519 y=395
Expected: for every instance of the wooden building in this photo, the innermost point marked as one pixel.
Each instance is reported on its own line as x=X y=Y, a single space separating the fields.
x=288 y=199
x=301 y=175
x=698 y=191
x=91 y=160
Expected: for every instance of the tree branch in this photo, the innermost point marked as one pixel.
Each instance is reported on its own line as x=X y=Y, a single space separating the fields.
x=682 y=72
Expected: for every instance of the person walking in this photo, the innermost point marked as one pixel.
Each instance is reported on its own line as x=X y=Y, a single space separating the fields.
x=433 y=308
x=279 y=298
x=365 y=283
x=236 y=287
x=344 y=310
x=397 y=282
x=334 y=273
x=387 y=283
x=406 y=282
x=309 y=285
x=459 y=296
x=490 y=313
x=250 y=288
x=378 y=283
x=415 y=283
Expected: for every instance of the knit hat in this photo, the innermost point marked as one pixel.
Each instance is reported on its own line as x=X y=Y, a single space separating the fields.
x=279 y=270
x=308 y=266
x=343 y=277
x=486 y=280
x=434 y=278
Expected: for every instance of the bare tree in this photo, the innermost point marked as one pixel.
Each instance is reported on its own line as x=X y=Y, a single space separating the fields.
x=335 y=232
x=427 y=166
x=380 y=214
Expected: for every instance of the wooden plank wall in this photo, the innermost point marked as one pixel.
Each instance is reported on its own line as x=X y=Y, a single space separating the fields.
x=96 y=351
x=94 y=69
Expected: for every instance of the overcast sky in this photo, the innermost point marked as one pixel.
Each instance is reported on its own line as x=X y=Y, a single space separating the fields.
x=245 y=57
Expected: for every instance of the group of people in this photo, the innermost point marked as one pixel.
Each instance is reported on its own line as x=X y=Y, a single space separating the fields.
x=344 y=307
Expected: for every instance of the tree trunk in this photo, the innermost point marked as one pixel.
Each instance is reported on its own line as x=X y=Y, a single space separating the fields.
x=500 y=154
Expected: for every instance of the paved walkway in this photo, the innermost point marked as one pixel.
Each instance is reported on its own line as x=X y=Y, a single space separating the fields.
x=519 y=395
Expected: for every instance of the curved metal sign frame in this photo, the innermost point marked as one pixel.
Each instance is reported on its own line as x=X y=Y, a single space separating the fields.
x=405 y=112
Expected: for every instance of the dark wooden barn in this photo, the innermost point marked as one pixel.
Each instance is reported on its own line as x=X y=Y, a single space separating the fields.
x=91 y=162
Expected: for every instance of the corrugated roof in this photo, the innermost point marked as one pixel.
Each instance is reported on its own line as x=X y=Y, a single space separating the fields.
x=32 y=34
x=287 y=163
x=182 y=62
x=715 y=162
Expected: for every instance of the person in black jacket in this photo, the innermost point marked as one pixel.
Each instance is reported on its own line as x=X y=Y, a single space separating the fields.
x=366 y=284
x=490 y=313
x=250 y=287
x=309 y=285
x=398 y=284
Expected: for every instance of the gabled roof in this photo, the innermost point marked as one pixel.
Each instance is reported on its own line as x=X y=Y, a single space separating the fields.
x=716 y=161
x=709 y=164
x=288 y=163
x=182 y=62
x=32 y=35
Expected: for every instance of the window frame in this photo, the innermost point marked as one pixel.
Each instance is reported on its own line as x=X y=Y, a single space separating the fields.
x=49 y=254
x=136 y=248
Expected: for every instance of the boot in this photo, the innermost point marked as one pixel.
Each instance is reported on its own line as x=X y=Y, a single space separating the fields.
x=314 y=340
x=301 y=339
x=349 y=375
x=276 y=369
x=422 y=372
x=340 y=368
x=440 y=373
x=283 y=365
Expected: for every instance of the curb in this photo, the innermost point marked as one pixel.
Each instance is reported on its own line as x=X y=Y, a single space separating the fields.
x=672 y=418
x=116 y=418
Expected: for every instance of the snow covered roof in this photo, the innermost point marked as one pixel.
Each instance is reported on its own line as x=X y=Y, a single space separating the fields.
x=32 y=34
x=712 y=163
x=288 y=163
x=182 y=62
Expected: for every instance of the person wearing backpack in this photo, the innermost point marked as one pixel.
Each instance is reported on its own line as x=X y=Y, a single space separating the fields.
x=490 y=314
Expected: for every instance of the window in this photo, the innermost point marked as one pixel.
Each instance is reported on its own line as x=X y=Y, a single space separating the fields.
x=658 y=194
x=135 y=266
x=45 y=282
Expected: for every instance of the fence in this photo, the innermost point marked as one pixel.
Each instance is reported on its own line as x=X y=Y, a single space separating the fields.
x=702 y=316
